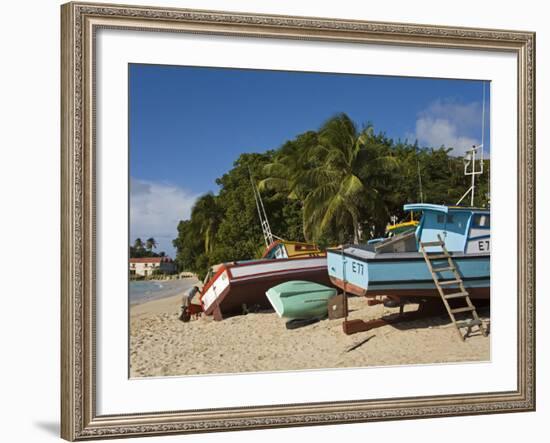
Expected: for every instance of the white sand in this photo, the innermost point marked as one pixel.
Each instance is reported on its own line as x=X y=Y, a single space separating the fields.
x=160 y=344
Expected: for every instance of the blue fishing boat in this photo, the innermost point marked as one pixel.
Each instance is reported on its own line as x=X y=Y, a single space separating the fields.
x=395 y=266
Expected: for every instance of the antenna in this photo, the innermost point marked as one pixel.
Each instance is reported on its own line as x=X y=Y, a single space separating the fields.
x=419 y=176
x=470 y=166
x=264 y=222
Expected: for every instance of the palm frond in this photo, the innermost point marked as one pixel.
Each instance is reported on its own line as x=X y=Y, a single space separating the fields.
x=351 y=186
x=275 y=184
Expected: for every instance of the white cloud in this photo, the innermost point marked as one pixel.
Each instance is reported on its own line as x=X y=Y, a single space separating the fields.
x=155 y=210
x=451 y=124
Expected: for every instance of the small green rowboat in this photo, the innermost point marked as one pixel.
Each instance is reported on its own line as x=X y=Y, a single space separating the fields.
x=300 y=299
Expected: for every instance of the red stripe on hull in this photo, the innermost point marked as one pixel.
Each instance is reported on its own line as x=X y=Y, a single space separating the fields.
x=348 y=287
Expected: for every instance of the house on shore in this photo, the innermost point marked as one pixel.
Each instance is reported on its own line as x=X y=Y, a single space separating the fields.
x=146 y=266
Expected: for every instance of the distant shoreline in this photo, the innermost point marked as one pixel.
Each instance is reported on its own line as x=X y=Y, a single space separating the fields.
x=143 y=291
x=171 y=277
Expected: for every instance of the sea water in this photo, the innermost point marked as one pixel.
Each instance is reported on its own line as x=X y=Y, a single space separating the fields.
x=142 y=291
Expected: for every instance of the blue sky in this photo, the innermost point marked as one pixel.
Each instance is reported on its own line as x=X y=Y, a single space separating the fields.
x=189 y=124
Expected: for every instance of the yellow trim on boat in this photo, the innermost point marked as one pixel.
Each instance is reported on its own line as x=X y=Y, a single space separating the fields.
x=412 y=223
x=300 y=249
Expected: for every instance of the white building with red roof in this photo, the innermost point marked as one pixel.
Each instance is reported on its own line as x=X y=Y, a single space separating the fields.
x=145 y=266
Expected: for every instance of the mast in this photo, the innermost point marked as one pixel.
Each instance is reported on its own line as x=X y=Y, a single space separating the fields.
x=264 y=222
x=470 y=167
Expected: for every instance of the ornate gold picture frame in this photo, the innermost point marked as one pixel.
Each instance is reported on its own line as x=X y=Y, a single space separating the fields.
x=80 y=22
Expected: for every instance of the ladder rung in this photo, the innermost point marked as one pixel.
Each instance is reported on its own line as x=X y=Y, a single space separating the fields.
x=444 y=268
x=431 y=243
x=456 y=295
x=437 y=256
x=459 y=310
x=449 y=282
x=468 y=324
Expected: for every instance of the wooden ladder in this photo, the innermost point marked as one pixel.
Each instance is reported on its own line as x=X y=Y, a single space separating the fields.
x=441 y=285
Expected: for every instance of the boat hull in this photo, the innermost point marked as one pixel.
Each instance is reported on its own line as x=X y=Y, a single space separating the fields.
x=368 y=274
x=300 y=299
x=238 y=288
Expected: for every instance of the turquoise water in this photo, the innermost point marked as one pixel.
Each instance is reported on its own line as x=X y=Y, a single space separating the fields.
x=142 y=291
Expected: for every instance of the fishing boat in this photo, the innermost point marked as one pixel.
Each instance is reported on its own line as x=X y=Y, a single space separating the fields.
x=396 y=267
x=300 y=299
x=395 y=229
x=239 y=287
x=403 y=227
x=279 y=248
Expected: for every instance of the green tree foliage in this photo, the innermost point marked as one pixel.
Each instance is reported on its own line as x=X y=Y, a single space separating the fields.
x=226 y=227
x=334 y=185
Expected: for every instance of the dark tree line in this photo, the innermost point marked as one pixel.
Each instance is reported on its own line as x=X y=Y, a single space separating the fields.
x=142 y=249
x=335 y=185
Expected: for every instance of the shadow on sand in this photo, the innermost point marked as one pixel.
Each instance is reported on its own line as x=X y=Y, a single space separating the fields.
x=436 y=318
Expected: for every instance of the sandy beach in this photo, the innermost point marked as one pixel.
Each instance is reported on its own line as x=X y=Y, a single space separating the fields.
x=161 y=345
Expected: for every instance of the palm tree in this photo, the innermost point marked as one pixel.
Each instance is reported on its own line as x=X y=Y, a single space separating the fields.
x=285 y=173
x=206 y=218
x=150 y=243
x=336 y=191
x=335 y=174
x=138 y=244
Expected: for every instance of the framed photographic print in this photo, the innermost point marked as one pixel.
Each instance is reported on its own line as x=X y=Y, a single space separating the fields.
x=282 y=221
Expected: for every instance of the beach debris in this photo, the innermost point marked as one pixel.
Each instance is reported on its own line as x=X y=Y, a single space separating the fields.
x=361 y=343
